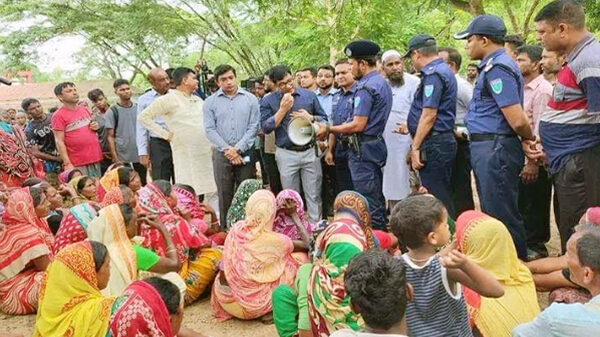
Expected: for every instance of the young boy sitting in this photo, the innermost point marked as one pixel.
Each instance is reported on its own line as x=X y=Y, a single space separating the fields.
x=376 y=283
x=438 y=309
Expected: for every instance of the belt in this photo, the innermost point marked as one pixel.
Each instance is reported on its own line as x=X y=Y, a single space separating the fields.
x=367 y=138
x=298 y=148
x=437 y=133
x=480 y=137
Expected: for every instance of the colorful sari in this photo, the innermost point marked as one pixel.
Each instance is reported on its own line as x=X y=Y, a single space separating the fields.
x=284 y=224
x=237 y=210
x=80 y=198
x=16 y=164
x=198 y=269
x=113 y=196
x=73 y=227
x=328 y=303
x=487 y=242
x=24 y=238
x=140 y=311
x=70 y=302
x=189 y=201
x=255 y=261
x=108 y=181
x=109 y=228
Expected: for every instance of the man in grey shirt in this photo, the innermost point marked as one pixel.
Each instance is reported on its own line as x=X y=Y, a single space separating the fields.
x=230 y=122
x=121 y=120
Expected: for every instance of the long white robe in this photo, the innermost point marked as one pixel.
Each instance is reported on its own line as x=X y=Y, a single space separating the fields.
x=396 y=184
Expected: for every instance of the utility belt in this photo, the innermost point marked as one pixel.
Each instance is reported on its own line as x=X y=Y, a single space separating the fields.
x=354 y=141
x=297 y=148
x=481 y=137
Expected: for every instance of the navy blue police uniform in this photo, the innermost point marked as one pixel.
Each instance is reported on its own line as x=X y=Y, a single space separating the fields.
x=343 y=107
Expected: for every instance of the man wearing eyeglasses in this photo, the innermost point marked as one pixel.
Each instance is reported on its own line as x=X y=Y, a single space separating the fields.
x=297 y=164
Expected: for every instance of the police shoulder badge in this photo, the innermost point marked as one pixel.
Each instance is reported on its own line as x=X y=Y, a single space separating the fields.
x=428 y=90
x=356 y=102
x=497 y=86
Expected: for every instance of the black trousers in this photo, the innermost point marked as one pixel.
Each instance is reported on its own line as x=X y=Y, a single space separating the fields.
x=161 y=159
x=462 y=192
x=534 y=205
x=272 y=172
x=328 y=189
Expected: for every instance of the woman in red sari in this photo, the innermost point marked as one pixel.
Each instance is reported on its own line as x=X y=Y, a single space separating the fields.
x=16 y=164
x=26 y=249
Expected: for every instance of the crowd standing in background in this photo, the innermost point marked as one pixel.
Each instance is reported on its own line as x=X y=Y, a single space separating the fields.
x=115 y=218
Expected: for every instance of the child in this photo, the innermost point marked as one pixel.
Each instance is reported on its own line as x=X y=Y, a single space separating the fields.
x=21 y=120
x=376 y=283
x=5 y=124
x=438 y=309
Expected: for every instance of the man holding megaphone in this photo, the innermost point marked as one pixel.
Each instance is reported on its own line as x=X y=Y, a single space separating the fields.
x=290 y=112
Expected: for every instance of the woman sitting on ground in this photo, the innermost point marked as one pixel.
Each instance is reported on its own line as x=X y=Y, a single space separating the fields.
x=290 y=219
x=199 y=262
x=488 y=243
x=26 y=249
x=85 y=189
x=73 y=227
x=116 y=226
x=118 y=176
x=255 y=261
x=121 y=194
x=237 y=210
x=70 y=302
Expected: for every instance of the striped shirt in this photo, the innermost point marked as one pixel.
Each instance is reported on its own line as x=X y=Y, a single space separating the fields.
x=436 y=310
x=571 y=124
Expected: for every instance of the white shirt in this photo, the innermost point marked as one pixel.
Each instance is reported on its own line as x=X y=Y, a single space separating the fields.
x=464 y=92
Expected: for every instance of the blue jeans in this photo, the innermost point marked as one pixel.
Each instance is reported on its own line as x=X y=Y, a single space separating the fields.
x=497 y=164
x=436 y=175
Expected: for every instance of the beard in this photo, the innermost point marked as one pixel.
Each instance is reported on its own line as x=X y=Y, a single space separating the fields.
x=396 y=78
x=325 y=87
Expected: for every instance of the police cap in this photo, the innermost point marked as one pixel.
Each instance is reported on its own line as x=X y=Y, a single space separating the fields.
x=361 y=48
x=419 y=41
x=485 y=25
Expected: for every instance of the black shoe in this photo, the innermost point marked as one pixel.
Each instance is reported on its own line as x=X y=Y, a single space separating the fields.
x=534 y=254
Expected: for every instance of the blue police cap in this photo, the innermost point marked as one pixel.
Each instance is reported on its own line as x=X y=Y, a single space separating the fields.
x=419 y=41
x=486 y=25
x=361 y=48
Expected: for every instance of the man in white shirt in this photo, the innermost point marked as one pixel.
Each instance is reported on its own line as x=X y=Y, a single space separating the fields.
x=462 y=192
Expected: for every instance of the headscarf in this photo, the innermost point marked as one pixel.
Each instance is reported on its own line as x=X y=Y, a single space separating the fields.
x=328 y=303
x=108 y=181
x=255 y=259
x=113 y=196
x=284 y=223
x=356 y=203
x=591 y=216
x=16 y=164
x=63 y=177
x=237 y=211
x=73 y=227
x=153 y=201
x=74 y=182
x=109 y=228
x=70 y=302
x=487 y=242
x=188 y=201
x=141 y=312
x=24 y=237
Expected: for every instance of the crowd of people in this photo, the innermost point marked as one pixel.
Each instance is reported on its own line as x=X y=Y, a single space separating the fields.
x=115 y=218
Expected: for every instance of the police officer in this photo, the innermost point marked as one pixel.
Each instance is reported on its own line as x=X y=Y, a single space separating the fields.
x=498 y=127
x=431 y=119
x=372 y=105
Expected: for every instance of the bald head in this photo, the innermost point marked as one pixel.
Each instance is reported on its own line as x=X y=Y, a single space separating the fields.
x=160 y=80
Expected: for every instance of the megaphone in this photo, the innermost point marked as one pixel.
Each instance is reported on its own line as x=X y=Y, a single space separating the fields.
x=301 y=131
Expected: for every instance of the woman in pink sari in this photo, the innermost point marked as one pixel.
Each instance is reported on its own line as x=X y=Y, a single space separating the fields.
x=290 y=214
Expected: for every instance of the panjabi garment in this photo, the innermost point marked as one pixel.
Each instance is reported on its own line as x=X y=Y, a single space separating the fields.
x=191 y=150
x=24 y=238
x=70 y=302
x=237 y=211
x=487 y=242
x=255 y=261
x=284 y=223
x=73 y=227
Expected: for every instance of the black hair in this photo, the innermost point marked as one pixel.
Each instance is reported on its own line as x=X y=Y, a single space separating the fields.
x=313 y=71
x=563 y=11
x=119 y=82
x=99 y=252
x=494 y=38
x=59 y=88
x=52 y=109
x=413 y=218
x=169 y=72
x=588 y=248
x=370 y=60
x=95 y=94
x=70 y=175
x=164 y=186
x=534 y=52
x=453 y=55
x=127 y=212
x=124 y=190
x=169 y=293
x=37 y=194
x=81 y=183
x=32 y=181
x=222 y=69
x=27 y=102
x=54 y=221
x=327 y=67
x=277 y=73
x=376 y=283
x=212 y=83
x=180 y=73
x=187 y=188
x=342 y=61
x=472 y=65
x=514 y=40
x=429 y=50
x=124 y=173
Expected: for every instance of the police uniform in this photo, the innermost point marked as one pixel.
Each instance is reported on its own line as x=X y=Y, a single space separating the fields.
x=343 y=106
x=373 y=99
x=496 y=153
x=438 y=150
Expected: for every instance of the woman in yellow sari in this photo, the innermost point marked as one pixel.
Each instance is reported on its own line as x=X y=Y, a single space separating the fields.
x=70 y=300
x=85 y=190
x=488 y=243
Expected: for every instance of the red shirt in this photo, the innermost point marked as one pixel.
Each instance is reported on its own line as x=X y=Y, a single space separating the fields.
x=83 y=146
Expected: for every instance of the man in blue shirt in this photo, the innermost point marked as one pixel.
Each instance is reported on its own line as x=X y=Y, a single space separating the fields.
x=431 y=120
x=495 y=120
x=297 y=164
x=372 y=105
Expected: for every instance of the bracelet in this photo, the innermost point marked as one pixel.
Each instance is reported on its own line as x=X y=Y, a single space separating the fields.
x=327 y=128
